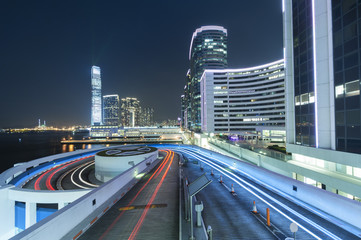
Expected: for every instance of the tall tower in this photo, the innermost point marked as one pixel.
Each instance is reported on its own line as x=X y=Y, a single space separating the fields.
x=208 y=50
x=111 y=110
x=96 y=113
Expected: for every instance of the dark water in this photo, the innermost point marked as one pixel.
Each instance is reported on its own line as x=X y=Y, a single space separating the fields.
x=33 y=146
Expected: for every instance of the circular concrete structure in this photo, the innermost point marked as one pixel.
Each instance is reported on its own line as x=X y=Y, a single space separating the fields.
x=112 y=162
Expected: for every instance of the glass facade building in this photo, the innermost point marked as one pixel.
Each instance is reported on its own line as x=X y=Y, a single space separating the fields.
x=208 y=50
x=111 y=110
x=303 y=73
x=346 y=33
x=322 y=51
x=96 y=109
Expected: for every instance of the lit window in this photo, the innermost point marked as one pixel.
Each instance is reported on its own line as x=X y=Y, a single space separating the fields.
x=312 y=97
x=339 y=91
x=310 y=181
x=304 y=99
x=297 y=100
x=352 y=88
x=349 y=170
x=357 y=172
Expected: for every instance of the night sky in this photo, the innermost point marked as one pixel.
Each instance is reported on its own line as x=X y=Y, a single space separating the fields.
x=47 y=49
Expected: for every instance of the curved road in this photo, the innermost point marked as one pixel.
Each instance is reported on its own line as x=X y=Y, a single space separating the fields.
x=148 y=211
x=75 y=174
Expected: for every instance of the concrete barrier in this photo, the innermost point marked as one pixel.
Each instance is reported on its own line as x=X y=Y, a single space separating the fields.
x=332 y=204
x=11 y=173
x=72 y=220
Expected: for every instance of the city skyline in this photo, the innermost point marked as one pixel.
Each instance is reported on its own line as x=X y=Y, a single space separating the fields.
x=48 y=49
x=270 y=126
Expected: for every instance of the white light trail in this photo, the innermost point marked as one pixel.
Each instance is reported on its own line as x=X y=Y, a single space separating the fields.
x=238 y=180
x=72 y=176
x=82 y=180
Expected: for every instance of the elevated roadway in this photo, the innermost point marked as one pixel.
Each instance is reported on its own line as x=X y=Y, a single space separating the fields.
x=231 y=217
x=148 y=211
x=75 y=174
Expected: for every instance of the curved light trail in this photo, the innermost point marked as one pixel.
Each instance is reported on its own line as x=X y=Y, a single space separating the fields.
x=81 y=178
x=243 y=184
x=79 y=175
x=55 y=170
x=48 y=180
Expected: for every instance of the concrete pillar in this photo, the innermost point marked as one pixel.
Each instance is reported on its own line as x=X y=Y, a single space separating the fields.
x=30 y=214
x=259 y=164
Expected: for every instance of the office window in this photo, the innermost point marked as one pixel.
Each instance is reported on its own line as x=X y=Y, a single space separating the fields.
x=352 y=88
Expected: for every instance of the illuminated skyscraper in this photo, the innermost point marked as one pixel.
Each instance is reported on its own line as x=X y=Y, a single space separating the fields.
x=208 y=50
x=111 y=110
x=147 y=117
x=130 y=112
x=96 y=113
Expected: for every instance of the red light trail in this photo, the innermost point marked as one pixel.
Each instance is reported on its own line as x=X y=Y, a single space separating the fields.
x=145 y=211
x=57 y=168
x=159 y=169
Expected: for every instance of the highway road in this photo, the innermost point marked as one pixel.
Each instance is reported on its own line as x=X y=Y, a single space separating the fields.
x=230 y=214
x=148 y=211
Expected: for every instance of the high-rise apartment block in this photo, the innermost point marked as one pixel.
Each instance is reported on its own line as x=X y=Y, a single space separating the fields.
x=111 y=110
x=96 y=110
x=323 y=114
x=208 y=50
x=147 y=116
x=130 y=111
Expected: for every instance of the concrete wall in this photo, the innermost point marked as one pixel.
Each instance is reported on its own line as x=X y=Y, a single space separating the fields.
x=8 y=175
x=329 y=178
x=7 y=211
x=70 y=221
x=9 y=193
x=350 y=159
x=107 y=167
